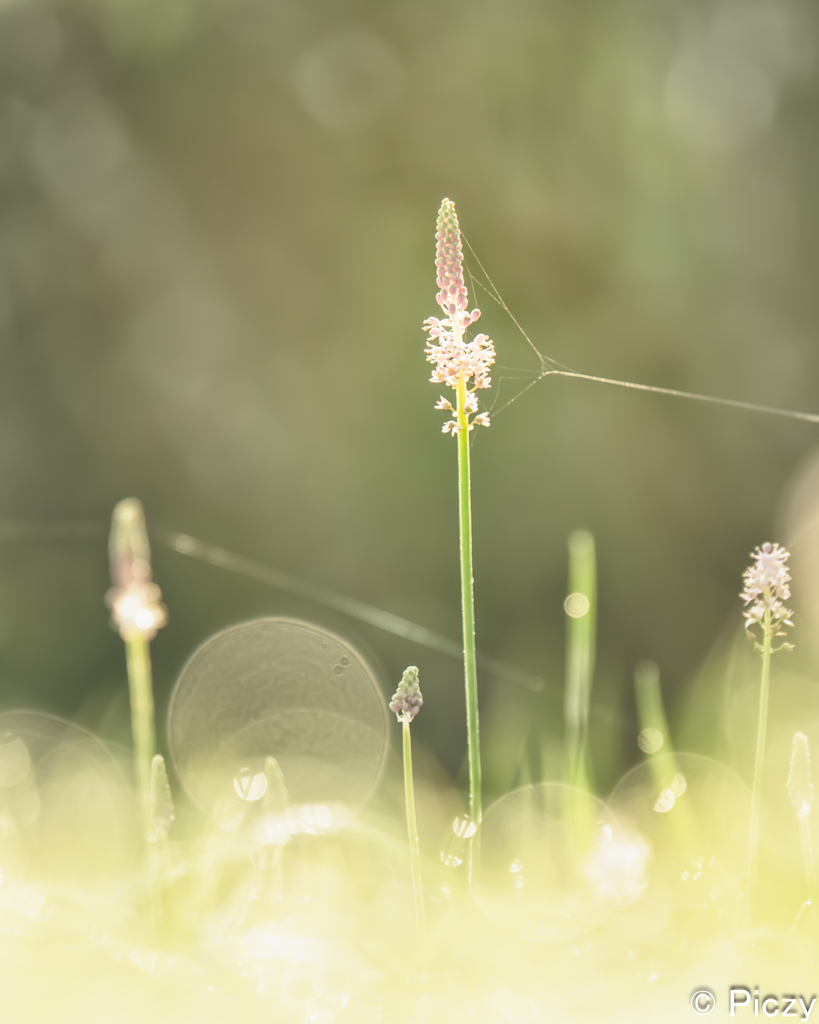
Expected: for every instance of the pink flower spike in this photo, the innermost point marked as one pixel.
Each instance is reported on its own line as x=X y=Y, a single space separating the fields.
x=457 y=362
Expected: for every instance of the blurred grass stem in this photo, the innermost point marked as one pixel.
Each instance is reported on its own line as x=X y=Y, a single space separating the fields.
x=412 y=829
x=756 y=793
x=650 y=707
x=142 y=720
x=581 y=608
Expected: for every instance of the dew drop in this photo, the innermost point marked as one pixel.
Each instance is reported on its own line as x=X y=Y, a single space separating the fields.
x=650 y=740
x=576 y=605
x=250 y=786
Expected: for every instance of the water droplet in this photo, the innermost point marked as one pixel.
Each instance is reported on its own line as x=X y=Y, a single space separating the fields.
x=576 y=605
x=650 y=740
x=250 y=786
x=464 y=828
x=665 y=801
x=337 y=670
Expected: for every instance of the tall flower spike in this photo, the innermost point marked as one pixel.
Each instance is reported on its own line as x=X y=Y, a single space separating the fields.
x=462 y=365
x=135 y=600
x=766 y=590
x=407 y=700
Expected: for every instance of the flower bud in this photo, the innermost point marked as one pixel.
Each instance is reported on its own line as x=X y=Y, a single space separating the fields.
x=135 y=600
x=407 y=700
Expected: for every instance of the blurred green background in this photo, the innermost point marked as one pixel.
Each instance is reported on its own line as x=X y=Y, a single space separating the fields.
x=216 y=252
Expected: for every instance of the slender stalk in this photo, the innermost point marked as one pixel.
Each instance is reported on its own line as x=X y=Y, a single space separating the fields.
x=412 y=829
x=807 y=854
x=468 y=605
x=766 y=589
x=465 y=368
x=756 y=793
x=142 y=720
x=137 y=613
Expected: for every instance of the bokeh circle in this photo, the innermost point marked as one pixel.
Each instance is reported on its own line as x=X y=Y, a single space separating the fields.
x=281 y=693
x=67 y=813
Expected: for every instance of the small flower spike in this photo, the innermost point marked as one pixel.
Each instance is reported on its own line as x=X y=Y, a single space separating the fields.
x=458 y=363
x=135 y=601
x=407 y=700
x=766 y=588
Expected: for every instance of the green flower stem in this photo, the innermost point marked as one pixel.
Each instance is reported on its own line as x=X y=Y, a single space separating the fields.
x=142 y=721
x=412 y=829
x=756 y=794
x=468 y=607
x=807 y=854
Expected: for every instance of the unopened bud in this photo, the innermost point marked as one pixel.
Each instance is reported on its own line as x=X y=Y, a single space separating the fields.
x=452 y=297
x=407 y=700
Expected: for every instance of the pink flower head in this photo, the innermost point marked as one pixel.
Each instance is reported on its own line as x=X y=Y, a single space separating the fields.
x=766 y=590
x=457 y=361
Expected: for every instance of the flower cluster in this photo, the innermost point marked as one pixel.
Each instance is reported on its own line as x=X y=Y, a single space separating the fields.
x=135 y=600
x=766 y=590
x=407 y=700
x=458 y=363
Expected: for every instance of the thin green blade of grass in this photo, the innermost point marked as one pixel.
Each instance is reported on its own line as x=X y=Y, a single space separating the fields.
x=581 y=626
